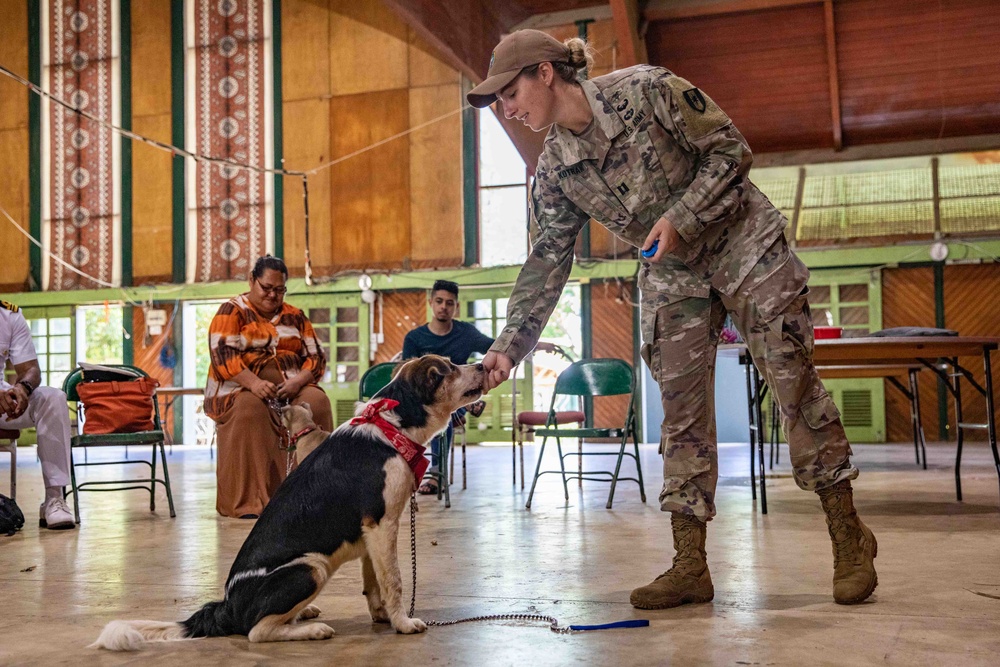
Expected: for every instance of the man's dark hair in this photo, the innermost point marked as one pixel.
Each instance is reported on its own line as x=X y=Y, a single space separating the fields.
x=267 y=262
x=447 y=286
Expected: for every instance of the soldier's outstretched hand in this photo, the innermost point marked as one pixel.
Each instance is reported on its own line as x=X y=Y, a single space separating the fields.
x=498 y=367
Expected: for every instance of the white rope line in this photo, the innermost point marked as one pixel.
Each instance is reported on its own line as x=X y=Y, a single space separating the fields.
x=53 y=256
x=327 y=165
x=170 y=148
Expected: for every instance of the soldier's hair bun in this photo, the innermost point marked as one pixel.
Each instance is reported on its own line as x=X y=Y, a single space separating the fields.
x=581 y=54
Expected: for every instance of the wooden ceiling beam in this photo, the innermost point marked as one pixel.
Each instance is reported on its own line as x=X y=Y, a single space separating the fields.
x=465 y=32
x=631 y=45
x=662 y=10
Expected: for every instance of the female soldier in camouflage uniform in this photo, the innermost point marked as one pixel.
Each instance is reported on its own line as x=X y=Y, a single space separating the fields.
x=654 y=159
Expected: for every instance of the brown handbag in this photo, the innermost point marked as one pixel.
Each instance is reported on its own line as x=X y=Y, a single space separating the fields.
x=117 y=407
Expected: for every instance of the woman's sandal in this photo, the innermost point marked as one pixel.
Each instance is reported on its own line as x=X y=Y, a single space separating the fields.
x=429 y=487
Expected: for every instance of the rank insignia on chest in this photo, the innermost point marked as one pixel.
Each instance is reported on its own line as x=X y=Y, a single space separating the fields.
x=622 y=188
x=695 y=99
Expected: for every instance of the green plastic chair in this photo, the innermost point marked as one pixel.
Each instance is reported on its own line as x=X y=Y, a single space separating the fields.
x=154 y=438
x=372 y=381
x=593 y=377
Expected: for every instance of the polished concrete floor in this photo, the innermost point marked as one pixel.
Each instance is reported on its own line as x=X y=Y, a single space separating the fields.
x=938 y=600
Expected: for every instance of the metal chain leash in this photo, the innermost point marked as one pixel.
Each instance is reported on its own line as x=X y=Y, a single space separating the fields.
x=277 y=404
x=551 y=620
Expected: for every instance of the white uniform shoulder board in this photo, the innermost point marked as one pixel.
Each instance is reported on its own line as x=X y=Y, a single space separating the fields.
x=9 y=306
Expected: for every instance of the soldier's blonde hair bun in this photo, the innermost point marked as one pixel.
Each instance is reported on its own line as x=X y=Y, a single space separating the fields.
x=581 y=54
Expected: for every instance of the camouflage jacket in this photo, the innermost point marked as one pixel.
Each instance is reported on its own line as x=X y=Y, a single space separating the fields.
x=658 y=146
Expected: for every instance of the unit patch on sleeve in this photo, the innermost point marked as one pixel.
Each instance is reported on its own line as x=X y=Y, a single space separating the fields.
x=695 y=99
x=700 y=114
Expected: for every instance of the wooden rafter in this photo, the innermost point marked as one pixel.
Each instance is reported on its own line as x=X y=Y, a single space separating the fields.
x=659 y=10
x=631 y=46
x=463 y=32
x=468 y=50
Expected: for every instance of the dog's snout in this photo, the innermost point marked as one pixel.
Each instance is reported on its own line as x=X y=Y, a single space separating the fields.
x=479 y=367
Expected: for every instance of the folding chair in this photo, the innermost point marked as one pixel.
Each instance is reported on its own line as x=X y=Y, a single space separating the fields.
x=593 y=377
x=8 y=443
x=154 y=437
x=526 y=421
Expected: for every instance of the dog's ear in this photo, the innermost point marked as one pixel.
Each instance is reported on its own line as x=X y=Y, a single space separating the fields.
x=308 y=409
x=429 y=375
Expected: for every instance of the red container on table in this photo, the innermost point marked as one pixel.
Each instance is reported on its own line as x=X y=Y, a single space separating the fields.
x=827 y=332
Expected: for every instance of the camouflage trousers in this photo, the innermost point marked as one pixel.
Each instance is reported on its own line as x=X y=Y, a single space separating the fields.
x=771 y=311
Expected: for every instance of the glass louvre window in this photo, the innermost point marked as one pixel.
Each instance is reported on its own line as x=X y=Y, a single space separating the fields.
x=872 y=199
x=970 y=194
x=503 y=196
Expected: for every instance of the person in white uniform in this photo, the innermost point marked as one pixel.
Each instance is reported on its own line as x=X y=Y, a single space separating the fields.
x=26 y=404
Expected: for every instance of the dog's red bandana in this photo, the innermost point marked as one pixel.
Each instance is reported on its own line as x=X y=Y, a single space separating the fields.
x=411 y=451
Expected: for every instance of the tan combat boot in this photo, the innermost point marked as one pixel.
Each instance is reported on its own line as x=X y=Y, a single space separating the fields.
x=854 y=546
x=689 y=579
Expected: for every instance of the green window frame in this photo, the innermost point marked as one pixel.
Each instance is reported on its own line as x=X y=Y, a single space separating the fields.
x=53 y=331
x=342 y=325
x=486 y=308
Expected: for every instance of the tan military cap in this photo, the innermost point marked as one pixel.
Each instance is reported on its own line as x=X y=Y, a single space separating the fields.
x=515 y=52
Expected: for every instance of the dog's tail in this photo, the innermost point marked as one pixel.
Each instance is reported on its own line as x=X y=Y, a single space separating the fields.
x=131 y=635
x=209 y=621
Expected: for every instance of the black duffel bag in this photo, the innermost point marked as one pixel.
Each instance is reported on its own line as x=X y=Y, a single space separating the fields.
x=11 y=517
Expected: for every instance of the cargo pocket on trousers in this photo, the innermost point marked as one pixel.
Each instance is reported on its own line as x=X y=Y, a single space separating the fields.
x=779 y=288
x=682 y=464
x=820 y=412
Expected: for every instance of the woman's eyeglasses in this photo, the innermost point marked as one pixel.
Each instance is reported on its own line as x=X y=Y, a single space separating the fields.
x=277 y=291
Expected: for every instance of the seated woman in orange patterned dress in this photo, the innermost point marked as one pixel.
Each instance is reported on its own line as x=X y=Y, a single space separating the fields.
x=262 y=349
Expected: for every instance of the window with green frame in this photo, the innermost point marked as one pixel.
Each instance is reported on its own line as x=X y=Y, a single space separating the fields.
x=52 y=334
x=487 y=310
x=341 y=325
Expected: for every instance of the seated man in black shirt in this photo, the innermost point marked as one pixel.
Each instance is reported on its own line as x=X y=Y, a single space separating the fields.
x=448 y=337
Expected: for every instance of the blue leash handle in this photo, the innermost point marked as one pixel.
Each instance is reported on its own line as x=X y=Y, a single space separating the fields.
x=637 y=623
x=652 y=249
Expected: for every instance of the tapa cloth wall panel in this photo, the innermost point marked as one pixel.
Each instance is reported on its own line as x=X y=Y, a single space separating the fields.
x=81 y=158
x=229 y=105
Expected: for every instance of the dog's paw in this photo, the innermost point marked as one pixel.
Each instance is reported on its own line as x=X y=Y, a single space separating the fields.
x=310 y=611
x=317 y=631
x=410 y=626
x=379 y=615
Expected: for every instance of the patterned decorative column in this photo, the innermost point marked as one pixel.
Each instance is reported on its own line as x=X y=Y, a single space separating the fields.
x=81 y=169
x=229 y=101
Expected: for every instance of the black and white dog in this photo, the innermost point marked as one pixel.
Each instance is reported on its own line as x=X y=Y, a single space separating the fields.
x=343 y=502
